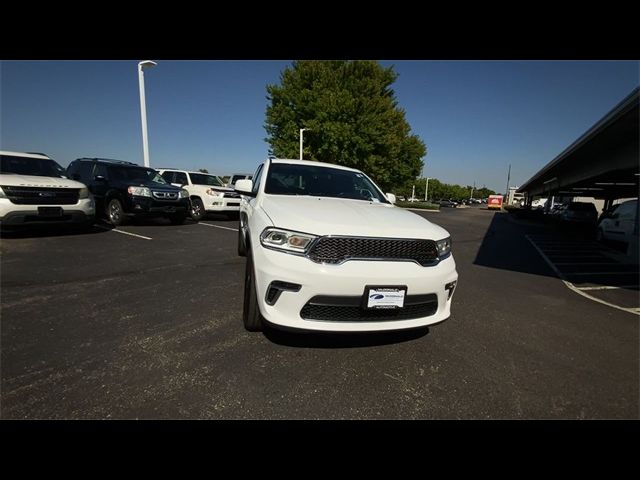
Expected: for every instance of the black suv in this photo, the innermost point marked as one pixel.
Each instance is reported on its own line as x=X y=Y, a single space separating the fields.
x=124 y=189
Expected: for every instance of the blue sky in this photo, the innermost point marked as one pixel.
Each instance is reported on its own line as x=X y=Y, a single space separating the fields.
x=476 y=117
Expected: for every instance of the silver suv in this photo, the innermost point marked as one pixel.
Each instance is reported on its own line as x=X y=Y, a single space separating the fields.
x=35 y=191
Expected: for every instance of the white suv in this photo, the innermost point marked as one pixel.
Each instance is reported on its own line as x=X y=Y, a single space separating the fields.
x=35 y=191
x=207 y=192
x=327 y=250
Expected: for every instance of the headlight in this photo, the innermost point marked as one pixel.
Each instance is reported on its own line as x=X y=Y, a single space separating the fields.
x=213 y=193
x=444 y=247
x=139 y=191
x=2 y=195
x=286 y=240
x=184 y=193
x=84 y=193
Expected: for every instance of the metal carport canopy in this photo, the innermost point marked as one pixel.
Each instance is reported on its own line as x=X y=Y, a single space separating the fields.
x=602 y=163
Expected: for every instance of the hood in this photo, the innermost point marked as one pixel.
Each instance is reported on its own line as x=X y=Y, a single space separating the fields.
x=337 y=216
x=12 y=180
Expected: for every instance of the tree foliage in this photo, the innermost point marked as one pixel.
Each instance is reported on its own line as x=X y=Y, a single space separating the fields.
x=352 y=117
x=203 y=170
x=439 y=191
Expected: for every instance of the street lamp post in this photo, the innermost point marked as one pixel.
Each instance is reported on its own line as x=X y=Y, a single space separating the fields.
x=143 y=108
x=301 y=141
x=426 y=189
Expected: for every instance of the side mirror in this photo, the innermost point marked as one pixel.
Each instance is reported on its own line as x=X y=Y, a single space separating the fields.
x=391 y=197
x=244 y=187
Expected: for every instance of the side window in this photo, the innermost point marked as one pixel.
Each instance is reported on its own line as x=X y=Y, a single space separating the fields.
x=168 y=176
x=84 y=172
x=625 y=210
x=72 y=171
x=100 y=170
x=180 y=178
x=257 y=176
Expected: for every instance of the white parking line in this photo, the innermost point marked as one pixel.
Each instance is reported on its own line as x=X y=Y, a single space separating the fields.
x=571 y=286
x=607 y=287
x=218 y=226
x=123 y=232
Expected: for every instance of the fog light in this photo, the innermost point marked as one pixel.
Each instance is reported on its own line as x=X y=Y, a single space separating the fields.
x=450 y=287
x=137 y=207
x=277 y=287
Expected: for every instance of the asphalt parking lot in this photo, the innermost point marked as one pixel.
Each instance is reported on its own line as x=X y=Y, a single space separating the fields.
x=144 y=321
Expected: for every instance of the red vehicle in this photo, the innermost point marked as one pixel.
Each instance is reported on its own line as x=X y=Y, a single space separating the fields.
x=495 y=202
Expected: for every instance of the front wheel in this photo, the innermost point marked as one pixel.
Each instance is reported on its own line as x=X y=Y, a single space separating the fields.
x=197 y=210
x=251 y=312
x=115 y=212
x=242 y=248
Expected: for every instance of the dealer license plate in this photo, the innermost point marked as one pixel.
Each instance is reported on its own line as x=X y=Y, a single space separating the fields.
x=384 y=297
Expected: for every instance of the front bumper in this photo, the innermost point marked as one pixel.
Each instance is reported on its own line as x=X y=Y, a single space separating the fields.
x=145 y=206
x=346 y=280
x=12 y=214
x=217 y=204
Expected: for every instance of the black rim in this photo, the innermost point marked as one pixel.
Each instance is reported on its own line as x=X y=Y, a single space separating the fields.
x=196 y=209
x=115 y=212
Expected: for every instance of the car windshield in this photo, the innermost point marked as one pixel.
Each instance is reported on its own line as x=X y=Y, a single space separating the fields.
x=293 y=179
x=43 y=167
x=135 y=175
x=204 y=179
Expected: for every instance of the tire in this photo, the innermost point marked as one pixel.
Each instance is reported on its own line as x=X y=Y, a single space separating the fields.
x=177 y=219
x=115 y=212
x=197 y=210
x=242 y=248
x=250 y=311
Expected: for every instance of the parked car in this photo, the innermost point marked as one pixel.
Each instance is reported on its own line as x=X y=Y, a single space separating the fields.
x=580 y=212
x=238 y=176
x=124 y=190
x=327 y=250
x=619 y=223
x=448 y=203
x=207 y=192
x=35 y=191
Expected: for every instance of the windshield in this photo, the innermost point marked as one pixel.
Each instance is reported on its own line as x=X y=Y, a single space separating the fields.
x=292 y=179
x=203 y=179
x=30 y=166
x=135 y=175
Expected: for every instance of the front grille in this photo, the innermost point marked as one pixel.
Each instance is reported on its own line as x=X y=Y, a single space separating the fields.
x=353 y=313
x=165 y=195
x=230 y=195
x=339 y=249
x=42 y=195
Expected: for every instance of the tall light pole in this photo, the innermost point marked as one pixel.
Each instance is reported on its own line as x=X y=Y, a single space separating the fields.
x=143 y=108
x=302 y=130
x=426 y=189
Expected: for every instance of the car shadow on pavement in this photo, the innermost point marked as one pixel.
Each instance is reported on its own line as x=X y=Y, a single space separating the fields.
x=340 y=339
x=52 y=231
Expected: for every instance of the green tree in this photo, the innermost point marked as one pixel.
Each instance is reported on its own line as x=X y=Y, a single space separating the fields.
x=203 y=170
x=352 y=117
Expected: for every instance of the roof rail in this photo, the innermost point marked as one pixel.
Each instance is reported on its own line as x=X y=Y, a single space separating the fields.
x=38 y=153
x=109 y=160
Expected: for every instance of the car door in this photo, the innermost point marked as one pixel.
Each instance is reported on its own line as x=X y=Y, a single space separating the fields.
x=627 y=219
x=180 y=179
